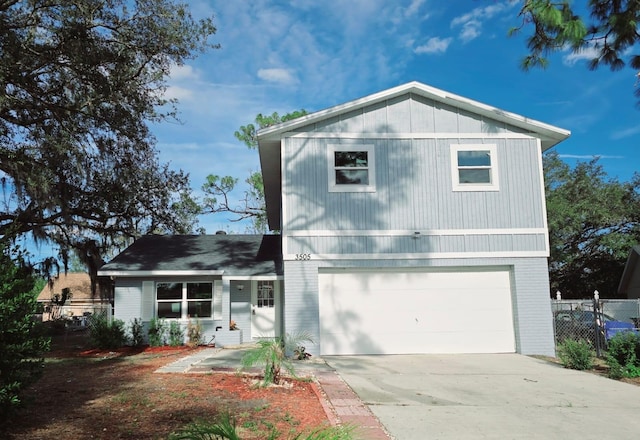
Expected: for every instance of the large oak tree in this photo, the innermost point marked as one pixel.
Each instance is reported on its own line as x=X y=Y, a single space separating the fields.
x=594 y=221
x=80 y=82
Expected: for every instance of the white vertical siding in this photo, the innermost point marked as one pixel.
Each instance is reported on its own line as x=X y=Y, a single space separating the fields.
x=127 y=299
x=148 y=300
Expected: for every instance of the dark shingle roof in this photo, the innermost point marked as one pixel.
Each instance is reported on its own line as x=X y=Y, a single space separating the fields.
x=233 y=254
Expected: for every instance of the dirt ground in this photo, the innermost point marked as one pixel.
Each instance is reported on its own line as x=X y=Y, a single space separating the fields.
x=90 y=394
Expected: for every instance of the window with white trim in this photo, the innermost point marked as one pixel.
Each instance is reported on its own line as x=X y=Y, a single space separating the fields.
x=474 y=167
x=351 y=168
x=181 y=300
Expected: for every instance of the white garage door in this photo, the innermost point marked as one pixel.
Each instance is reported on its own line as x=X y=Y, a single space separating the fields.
x=391 y=312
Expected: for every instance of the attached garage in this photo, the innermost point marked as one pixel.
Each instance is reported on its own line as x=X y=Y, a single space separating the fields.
x=404 y=311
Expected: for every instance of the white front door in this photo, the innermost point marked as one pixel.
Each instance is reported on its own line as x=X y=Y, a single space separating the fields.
x=265 y=309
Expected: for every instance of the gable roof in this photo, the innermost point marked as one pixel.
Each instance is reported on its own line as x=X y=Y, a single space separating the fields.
x=631 y=272
x=79 y=283
x=269 y=138
x=183 y=255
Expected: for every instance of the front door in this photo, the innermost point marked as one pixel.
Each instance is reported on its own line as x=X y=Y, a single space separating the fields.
x=265 y=308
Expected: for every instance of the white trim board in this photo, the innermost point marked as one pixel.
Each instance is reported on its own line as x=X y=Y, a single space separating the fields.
x=408 y=135
x=417 y=256
x=253 y=278
x=410 y=232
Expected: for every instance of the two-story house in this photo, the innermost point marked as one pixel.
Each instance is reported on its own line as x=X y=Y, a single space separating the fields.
x=412 y=221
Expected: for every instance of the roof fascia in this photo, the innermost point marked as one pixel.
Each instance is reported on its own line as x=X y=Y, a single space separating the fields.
x=156 y=273
x=629 y=268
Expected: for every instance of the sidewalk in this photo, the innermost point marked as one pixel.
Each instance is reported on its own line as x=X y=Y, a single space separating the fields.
x=341 y=404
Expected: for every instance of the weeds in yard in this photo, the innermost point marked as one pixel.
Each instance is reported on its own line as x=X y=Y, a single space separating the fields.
x=225 y=428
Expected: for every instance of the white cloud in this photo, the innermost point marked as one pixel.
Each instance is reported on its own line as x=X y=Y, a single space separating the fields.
x=183 y=73
x=587 y=53
x=588 y=156
x=434 y=45
x=470 y=31
x=179 y=93
x=413 y=8
x=621 y=134
x=471 y=22
x=282 y=76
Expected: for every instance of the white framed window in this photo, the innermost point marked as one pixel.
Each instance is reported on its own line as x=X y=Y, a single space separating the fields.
x=181 y=300
x=265 y=297
x=351 y=168
x=474 y=167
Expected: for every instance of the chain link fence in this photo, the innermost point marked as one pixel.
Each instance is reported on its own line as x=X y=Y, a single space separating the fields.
x=595 y=321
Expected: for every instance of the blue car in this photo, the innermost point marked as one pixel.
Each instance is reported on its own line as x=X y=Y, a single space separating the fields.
x=585 y=324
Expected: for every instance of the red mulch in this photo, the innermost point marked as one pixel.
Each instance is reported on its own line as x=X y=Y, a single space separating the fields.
x=115 y=394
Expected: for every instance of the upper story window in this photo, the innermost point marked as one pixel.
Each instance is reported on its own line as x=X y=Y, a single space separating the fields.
x=474 y=168
x=182 y=300
x=351 y=168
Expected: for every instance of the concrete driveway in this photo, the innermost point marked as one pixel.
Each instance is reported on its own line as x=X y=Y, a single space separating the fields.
x=497 y=396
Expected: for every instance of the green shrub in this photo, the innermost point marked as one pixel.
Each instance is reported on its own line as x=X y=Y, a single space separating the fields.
x=272 y=353
x=157 y=329
x=176 y=334
x=623 y=355
x=136 y=330
x=194 y=333
x=577 y=355
x=22 y=342
x=106 y=335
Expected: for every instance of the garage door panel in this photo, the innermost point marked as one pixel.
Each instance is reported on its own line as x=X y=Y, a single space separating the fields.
x=416 y=312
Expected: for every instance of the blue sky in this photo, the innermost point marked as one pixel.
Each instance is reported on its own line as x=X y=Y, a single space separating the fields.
x=286 y=55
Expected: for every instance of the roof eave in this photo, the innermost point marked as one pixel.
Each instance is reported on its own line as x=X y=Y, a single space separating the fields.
x=156 y=273
x=629 y=268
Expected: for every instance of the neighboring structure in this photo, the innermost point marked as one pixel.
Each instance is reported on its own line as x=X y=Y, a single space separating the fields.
x=412 y=221
x=216 y=279
x=629 y=286
x=80 y=303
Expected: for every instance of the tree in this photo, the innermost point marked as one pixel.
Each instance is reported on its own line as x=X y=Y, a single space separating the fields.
x=611 y=32
x=21 y=346
x=593 y=223
x=79 y=83
x=217 y=189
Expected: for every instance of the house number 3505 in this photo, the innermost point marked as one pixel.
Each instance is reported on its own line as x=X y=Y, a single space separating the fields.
x=303 y=257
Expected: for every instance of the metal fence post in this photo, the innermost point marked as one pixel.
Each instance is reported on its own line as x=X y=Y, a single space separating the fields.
x=596 y=313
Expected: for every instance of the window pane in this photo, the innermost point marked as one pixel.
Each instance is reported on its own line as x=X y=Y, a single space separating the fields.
x=474 y=158
x=352 y=177
x=199 y=309
x=199 y=290
x=169 y=310
x=351 y=158
x=169 y=290
x=266 y=294
x=475 y=176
